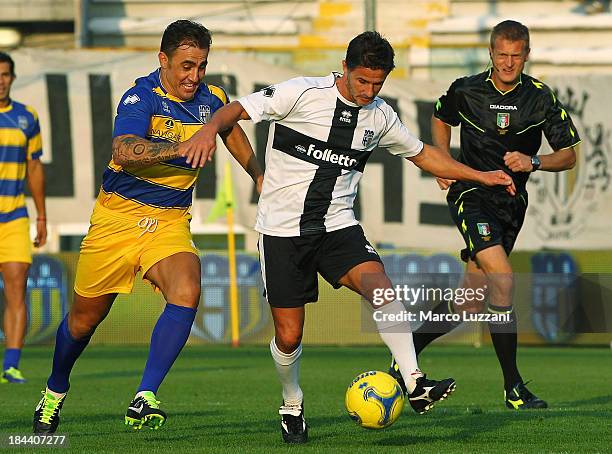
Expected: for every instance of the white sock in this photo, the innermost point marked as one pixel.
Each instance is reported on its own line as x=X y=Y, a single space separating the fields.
x=288 y=368
x=398 y=337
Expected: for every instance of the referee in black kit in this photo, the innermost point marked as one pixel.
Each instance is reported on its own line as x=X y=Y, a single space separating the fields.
x=502 y=113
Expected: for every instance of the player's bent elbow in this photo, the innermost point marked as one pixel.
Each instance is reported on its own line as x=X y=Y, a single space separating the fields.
x=118 y=156
x=117 y=159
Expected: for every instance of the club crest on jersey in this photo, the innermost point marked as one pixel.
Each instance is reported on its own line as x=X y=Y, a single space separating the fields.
x=204 y=111
x=23 y=122
x=483 y=229
x=345 y=116
x=165 y=107
x=368 y=135
x=503 y=120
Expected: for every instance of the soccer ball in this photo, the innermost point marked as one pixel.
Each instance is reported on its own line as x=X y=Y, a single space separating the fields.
x=374 y=400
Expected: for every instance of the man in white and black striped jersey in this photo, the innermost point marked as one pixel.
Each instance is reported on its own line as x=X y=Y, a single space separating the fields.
x=322 y=131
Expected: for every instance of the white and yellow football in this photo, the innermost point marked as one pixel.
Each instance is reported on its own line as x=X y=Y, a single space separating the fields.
x=374 y=400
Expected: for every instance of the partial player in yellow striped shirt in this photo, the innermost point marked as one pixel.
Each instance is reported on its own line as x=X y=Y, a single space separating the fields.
x=20 y=151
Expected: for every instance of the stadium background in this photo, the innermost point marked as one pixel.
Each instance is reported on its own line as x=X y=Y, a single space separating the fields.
x=75 y=59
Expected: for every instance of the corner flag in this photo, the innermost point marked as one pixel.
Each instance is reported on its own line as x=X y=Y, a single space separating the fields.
x=225 y=196
x=224 y=207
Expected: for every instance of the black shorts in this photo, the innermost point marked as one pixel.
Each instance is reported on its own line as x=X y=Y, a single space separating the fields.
x=289 y=265
x=486 y=218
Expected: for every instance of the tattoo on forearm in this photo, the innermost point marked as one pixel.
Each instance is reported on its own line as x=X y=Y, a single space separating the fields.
x=139 y=149
x=138 y=152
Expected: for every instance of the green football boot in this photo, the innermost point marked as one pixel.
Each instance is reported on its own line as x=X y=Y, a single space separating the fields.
x=144 y=411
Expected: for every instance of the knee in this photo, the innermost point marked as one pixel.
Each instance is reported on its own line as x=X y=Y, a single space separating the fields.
x=82 y=324
x=288 y=340
x=186 y=294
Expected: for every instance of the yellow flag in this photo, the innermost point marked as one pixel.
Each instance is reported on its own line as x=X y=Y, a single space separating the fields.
x=225 y=196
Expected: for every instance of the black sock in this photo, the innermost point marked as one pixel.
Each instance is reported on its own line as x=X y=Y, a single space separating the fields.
x=503 y=335
x=430 y=330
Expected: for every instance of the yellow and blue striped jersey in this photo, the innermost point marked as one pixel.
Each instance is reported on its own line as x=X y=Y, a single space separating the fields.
x=146 y=110
x=20 y=142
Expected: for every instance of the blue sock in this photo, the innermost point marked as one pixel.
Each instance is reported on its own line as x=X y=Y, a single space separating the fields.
x=11 y=358
x=67 y=351
x=167 y=341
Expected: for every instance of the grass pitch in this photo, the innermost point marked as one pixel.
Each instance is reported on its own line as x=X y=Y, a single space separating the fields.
x=220 y=399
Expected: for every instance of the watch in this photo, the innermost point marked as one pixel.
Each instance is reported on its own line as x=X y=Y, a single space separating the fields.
x=535 y=163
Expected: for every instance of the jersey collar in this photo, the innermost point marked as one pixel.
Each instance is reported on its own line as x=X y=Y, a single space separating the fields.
x=490 y=79
x=8 y=108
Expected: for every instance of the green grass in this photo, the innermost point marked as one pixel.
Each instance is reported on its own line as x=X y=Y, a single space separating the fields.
x=223 y=399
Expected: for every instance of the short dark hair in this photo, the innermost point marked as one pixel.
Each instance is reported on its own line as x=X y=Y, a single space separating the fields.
x=510 y=30
x=6 y=58
x=184 y=32
x=370 y=50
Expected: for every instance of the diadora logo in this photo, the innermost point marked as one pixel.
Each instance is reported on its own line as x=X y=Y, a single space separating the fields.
x=370 y=249
x=501 y=107
x=131 y=99
x=327 y=155
x=345 y=116
x=169 y=124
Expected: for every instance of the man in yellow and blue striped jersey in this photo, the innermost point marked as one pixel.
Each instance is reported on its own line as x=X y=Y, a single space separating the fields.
x=141 y=219
x=20 y=151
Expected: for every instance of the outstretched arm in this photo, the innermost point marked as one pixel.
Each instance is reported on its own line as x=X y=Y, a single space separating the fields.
x=133 y=151
x=440 y=164
x=239 y=146
x=202 y=145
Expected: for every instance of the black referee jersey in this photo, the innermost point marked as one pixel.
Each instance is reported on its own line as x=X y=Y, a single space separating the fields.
x=494 y=122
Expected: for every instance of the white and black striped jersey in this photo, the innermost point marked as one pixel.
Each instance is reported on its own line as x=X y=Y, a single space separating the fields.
x=317 y=149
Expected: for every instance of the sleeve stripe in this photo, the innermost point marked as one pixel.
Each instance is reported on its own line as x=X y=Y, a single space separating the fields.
x=218 y=92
